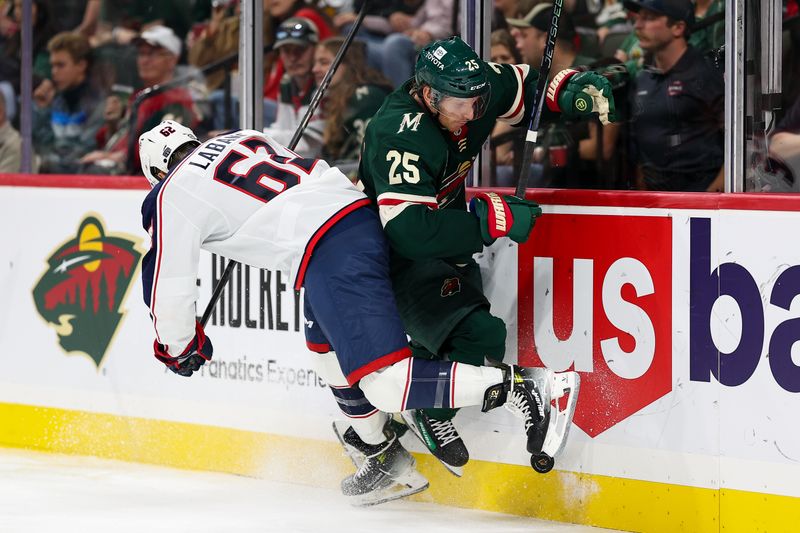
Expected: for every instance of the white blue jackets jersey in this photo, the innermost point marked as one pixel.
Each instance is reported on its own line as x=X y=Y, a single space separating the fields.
x=245 y=197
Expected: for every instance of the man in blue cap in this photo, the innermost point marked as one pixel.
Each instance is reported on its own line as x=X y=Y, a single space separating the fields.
x=678 y=103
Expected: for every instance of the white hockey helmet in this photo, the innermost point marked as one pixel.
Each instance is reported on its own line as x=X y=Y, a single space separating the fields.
x=157 y=145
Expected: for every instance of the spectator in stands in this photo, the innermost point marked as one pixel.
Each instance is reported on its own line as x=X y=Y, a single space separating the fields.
x=68 y=111
x=784 y=152
x=158 y=50
x=10 y=143
x=503 y=49
x=711 y=37
x=280 y=11
x=130 y=17
x=678 y=104
x=219 y=37
x=355 y=93
x=611 y=19
x=572 y=145
x=8 y=26
x=375 y=26
x=397 y=53
x=43 y=30
x=296 y=39
x=503 y=9
x=531 y=27
x=120 y=23
x=80 y=16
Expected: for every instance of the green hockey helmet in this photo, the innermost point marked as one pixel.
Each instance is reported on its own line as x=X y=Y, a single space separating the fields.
x=453 y=70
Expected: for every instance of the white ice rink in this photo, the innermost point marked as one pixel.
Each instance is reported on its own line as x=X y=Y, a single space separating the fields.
x=43 y=493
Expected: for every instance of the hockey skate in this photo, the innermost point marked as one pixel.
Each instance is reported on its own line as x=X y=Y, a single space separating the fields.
x=351 y=442
x=385 y=471
x=440 y=438
x=533 y=394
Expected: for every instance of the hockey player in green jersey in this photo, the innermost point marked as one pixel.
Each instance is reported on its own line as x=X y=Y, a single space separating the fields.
x=416 y=155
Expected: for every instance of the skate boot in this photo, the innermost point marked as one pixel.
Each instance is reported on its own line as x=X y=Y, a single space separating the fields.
x=533 y=394
x=387 y=471
x=353 y=444
x=441 y=439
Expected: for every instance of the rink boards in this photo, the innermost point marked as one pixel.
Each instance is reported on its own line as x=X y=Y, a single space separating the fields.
x=677 y=310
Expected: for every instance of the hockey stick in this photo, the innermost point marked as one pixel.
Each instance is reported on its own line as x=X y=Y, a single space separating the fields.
x=312 y=107
x=538 y=101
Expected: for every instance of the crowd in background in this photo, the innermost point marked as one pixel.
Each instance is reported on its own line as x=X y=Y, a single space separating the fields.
x=105 y=71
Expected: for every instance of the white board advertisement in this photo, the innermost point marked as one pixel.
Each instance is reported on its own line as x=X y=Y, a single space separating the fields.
x=682 y=323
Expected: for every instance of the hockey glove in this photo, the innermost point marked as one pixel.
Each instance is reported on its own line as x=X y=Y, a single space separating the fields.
x=579 y=94
x=192 y=358
x=504 y=216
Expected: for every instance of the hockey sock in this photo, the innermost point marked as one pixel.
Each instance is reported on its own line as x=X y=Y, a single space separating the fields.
x=366 y=420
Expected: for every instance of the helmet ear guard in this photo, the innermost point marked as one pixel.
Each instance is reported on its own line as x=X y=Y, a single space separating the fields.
x=158 y=146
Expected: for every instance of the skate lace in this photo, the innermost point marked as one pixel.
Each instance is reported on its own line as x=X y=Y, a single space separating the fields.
x=445 y=431
x=365 y=469
x=518 y=404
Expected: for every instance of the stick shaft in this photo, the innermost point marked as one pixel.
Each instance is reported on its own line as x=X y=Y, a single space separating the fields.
x=531 y=139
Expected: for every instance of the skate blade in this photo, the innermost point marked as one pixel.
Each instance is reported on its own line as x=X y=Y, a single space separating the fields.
x=408 y=418
x=390 y=493
x=561 y=420
x=355 y=456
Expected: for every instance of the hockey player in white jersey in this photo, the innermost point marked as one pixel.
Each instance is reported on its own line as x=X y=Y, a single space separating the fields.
x=244 y=196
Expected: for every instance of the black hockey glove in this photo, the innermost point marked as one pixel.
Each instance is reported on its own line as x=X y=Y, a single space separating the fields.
x=192 y=358
x=504 y=216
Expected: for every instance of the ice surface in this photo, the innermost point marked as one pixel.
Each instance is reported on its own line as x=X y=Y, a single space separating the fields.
x=42 y=493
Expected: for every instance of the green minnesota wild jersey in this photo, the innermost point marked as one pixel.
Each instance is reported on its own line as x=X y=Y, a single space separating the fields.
x=415 y=170
x=362 y=106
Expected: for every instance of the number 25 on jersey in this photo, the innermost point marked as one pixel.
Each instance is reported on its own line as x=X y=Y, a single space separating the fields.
x=403 y=167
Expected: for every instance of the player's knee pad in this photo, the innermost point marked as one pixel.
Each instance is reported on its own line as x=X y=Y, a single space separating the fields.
x=327 y=367
x=479 y=335
x=385 y=388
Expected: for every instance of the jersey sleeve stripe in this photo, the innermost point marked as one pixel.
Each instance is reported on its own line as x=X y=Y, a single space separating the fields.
x=408 y=384
x=312 y=242
x=453 y=384
x=158 y=233
x=514 y=113
x=389 y=212
x=157 y=238
x=393 y=198
x=391 y=204
x=361 y=416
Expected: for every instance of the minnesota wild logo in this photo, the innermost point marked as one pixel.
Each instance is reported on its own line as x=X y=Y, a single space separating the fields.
x=81 y=292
